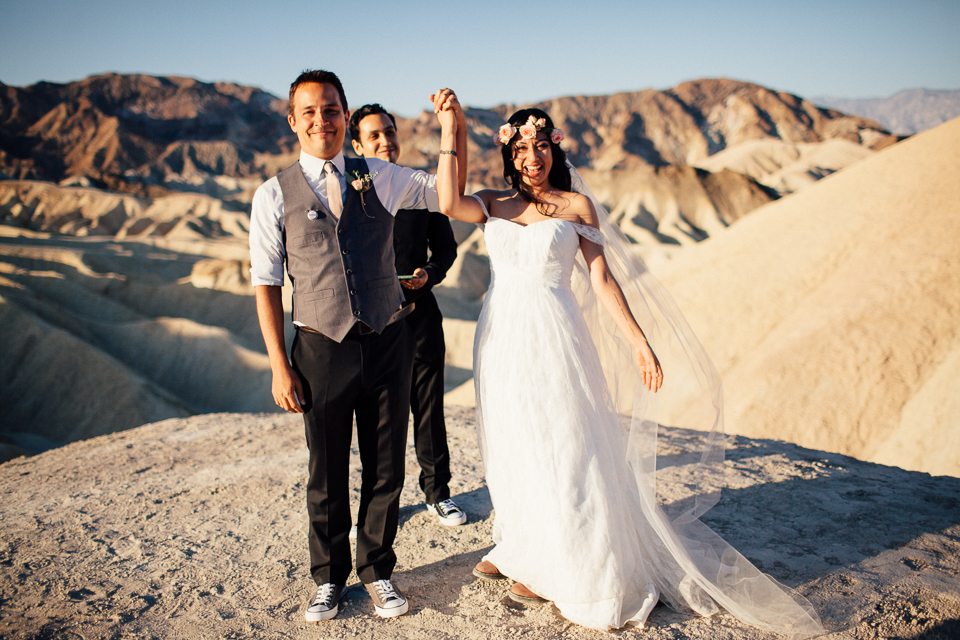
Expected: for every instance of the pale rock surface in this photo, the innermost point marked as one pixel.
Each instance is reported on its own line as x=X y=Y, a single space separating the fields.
x=787 y=167
x=56 y=388
x=196 y=528
x=100 y=335
x=79 y=211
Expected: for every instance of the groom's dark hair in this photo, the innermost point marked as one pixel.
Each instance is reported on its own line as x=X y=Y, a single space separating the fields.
x=363 y=112
x=320 y=77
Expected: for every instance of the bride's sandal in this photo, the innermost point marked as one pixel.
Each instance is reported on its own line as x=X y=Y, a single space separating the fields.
x=520 y=593
x=487 y=571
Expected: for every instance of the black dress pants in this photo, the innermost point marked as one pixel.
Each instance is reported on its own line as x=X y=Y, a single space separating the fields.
x=367 y=376
x=426 y=399
x=426 y=402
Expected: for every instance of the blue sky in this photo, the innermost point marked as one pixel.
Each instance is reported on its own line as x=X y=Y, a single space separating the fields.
x=397 y=53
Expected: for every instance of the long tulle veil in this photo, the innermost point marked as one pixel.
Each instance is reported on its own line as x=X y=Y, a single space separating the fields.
x=697 y=570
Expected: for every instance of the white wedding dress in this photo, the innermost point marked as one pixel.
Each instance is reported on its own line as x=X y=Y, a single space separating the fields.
x=574 y=521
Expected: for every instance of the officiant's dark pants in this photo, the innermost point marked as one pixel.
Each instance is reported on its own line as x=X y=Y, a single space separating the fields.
x=367 y=376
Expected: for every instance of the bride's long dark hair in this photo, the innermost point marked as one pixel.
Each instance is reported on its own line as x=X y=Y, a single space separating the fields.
x=559 y=176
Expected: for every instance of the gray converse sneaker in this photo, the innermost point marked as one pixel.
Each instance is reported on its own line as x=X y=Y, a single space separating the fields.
x=387 y=600
x=447 y=512
x=324 y=604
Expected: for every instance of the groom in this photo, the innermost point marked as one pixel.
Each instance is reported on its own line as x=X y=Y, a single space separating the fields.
x=329 y=219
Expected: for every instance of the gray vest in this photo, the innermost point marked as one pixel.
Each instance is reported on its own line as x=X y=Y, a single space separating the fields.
x=342 y=272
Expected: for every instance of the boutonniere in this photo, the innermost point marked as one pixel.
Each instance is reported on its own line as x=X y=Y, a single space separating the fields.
x=361 y=185
x=363 y=182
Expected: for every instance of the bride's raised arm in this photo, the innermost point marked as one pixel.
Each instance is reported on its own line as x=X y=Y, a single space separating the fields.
x=449 y=186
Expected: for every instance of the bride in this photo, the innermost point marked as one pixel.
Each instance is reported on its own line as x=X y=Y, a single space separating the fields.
x=568 y=399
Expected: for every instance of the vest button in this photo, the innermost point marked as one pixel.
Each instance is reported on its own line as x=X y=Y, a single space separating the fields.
x=340 y=231
x=356 y=312
x=353 y=292
x=349 y=272
x=346 y=251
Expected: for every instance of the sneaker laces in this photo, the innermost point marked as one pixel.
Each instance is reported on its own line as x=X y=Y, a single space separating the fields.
x=446 y=507
x=324 y=595
x=385 y=590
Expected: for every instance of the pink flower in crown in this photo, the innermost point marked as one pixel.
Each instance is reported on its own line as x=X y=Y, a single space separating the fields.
x=556 y=136
x=357 y=185
x=506 y=133
x=528 y=131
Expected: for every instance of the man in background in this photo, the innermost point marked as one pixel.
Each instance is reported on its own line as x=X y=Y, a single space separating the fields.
x=425 y=249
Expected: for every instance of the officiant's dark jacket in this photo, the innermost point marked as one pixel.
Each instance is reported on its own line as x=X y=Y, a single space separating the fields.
x=414 y=232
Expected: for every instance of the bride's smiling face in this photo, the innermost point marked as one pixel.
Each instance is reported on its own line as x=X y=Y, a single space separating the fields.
x=533 y=158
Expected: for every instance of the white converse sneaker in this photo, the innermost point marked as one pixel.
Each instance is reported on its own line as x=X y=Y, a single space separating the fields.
x=325 y=604
x=387 y=600
x=353 y=532
x=447 y=512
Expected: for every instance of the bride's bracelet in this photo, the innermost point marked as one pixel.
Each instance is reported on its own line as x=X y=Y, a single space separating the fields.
x=451 y=152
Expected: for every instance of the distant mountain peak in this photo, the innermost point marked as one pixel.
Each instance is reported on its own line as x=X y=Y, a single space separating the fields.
x=907 y=112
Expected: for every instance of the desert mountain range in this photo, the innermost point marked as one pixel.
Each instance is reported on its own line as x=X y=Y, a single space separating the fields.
x=121 y=309
x=130 y=132
x=151 y=136
x=143 y=128
x=906 y=112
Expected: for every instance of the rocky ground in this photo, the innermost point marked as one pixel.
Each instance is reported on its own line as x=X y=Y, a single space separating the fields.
x=195 y=528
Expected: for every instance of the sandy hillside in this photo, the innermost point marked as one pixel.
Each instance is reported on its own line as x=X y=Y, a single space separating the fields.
x=98 y=335
x=834 y=314
x=195 y=528
x=80 y=211
x=786 y=167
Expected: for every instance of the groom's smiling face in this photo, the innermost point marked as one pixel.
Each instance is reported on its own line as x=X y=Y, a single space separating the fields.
x=319 y=119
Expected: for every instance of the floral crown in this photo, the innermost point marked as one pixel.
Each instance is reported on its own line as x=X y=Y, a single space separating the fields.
x=527 y=131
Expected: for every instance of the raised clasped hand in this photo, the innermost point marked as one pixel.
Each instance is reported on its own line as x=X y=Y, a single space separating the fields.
x=445 y=103
x=444 y=99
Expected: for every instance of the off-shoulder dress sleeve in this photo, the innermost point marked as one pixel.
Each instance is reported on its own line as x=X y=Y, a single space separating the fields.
x=591 y=234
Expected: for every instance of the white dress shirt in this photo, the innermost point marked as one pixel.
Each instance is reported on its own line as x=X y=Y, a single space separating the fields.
x=397 y=188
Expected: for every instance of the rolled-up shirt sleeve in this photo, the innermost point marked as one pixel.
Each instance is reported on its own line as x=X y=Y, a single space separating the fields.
x=266 y=235
x=404 y=188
